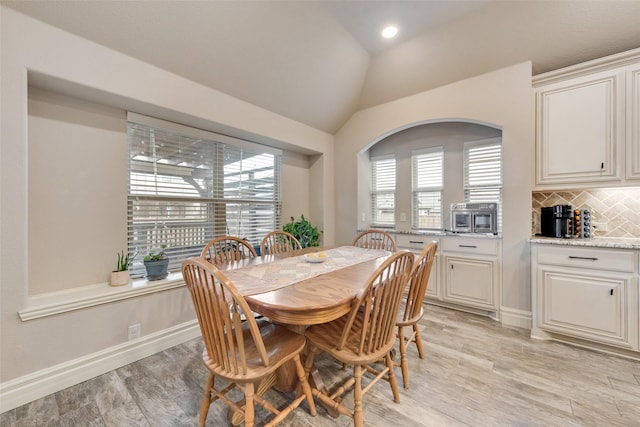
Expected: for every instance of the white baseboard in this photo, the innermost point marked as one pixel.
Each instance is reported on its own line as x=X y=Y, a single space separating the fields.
x=516 y=318
x=38 y=384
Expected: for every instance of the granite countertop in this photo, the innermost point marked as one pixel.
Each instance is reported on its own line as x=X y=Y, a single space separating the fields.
x=442 y=233
x=596 y=242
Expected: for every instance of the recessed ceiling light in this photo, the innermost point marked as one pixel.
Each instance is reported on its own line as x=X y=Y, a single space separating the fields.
x=389 y=32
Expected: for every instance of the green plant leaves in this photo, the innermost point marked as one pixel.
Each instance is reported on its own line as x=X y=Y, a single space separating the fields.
x=302 y=230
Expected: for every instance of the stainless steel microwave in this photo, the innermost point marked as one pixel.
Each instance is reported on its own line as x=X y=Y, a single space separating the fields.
x=474 y=218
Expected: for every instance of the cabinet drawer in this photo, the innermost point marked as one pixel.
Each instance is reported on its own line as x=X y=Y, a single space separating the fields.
x=414 y=242
x=478 y=246
x=601 y=259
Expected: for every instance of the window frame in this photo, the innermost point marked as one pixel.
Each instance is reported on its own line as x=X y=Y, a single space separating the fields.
x=473 y=193
x=185 y=223
x=436 y=190
x=386 y=191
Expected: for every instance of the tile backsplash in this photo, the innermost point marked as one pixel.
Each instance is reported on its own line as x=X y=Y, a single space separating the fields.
x=619 y=208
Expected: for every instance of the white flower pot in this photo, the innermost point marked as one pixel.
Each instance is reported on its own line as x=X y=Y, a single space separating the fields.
x=119 y=278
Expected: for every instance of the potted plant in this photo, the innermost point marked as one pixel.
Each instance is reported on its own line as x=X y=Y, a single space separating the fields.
x=302 y=230
x=156 y=264
x=120 y=276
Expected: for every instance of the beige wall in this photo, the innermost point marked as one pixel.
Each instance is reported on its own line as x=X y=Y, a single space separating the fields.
x=78 y=190
x=502 y=99
x=108 y=83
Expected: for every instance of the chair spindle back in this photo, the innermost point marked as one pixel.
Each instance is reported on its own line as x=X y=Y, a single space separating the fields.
x=225 y=249
x=279 y=242
x=375 y=309
x=224 y=316
x=375 y=239
x=419 y=281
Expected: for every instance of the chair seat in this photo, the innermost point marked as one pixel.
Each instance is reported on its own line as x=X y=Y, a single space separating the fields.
x=325 y=337
x=281 y=344
x=407 y=322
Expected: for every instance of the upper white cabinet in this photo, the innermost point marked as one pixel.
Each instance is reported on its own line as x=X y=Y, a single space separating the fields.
x=586 y=118
x=633 y=123
x=579 y=128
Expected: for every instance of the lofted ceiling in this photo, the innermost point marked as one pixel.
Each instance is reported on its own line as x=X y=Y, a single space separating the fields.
x=318 y=62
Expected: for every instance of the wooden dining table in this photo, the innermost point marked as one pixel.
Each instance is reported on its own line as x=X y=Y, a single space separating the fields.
x=309 y=301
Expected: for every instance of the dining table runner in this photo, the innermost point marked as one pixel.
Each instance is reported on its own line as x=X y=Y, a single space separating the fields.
x=266 y=277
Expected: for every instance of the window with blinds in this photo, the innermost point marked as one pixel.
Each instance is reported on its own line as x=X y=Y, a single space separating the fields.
x=187 y=186
x=483 y=173
x=383 y=191
x=426 y=187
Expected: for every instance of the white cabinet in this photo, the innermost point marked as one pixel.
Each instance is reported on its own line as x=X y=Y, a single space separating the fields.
x=471 y=273
x=416 y=243
x=587 y=123
x=470 y=282
x=633 y=123
x=466 y=271
x=586 y=293
x=579 y=126
x=592 y=306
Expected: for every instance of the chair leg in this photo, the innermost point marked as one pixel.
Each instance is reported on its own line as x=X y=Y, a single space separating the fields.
x=303 y=378
x=358 y=419
x=404 y=364
x=392 y=378
x=206 y=400
x=418 y=340
x=248 y=409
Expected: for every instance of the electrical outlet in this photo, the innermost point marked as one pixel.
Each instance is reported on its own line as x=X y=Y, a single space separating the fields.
x=403 y=216
x=134 y=331
x=364 y=216
x=599 y=226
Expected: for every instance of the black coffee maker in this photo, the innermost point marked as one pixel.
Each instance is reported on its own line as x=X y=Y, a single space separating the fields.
x=555 y=221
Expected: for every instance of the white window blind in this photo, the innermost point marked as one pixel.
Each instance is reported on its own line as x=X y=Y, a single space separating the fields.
x=187 y=186
x=426 y=186
x=383 y=191
x=483 y=173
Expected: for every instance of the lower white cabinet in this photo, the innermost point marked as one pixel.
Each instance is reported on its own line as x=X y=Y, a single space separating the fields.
x=466 y=271
x=470 y=281
x=415 y=244
x=471 y=274
x=586 y=293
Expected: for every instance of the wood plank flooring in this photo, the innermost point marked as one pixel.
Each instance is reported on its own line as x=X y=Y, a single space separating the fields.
x=475 y=373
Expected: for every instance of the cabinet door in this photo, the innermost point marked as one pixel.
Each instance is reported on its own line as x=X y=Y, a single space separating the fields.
x=578 y=128
x=633 y=123
x=594 y=306
x=470 y=282
x=432 y=286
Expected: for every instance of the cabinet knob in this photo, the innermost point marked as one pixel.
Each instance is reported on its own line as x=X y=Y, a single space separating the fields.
x=602 y=165
x=611 y=292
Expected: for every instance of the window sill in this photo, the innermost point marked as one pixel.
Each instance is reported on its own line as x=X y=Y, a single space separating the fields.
x=65 y=301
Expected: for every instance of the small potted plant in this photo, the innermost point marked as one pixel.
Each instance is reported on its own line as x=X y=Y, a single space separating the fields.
x=302 y=230
x=120 y=276
x=156 y=264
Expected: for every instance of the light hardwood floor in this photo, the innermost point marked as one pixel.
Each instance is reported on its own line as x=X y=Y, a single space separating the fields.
x=475 y=373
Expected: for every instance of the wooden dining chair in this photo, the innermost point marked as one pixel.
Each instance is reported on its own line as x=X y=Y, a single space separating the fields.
x=375 y=239
x=411 y=307
x=225 y=249
x=278 y=242
x=242 y=352
x=364 y=336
